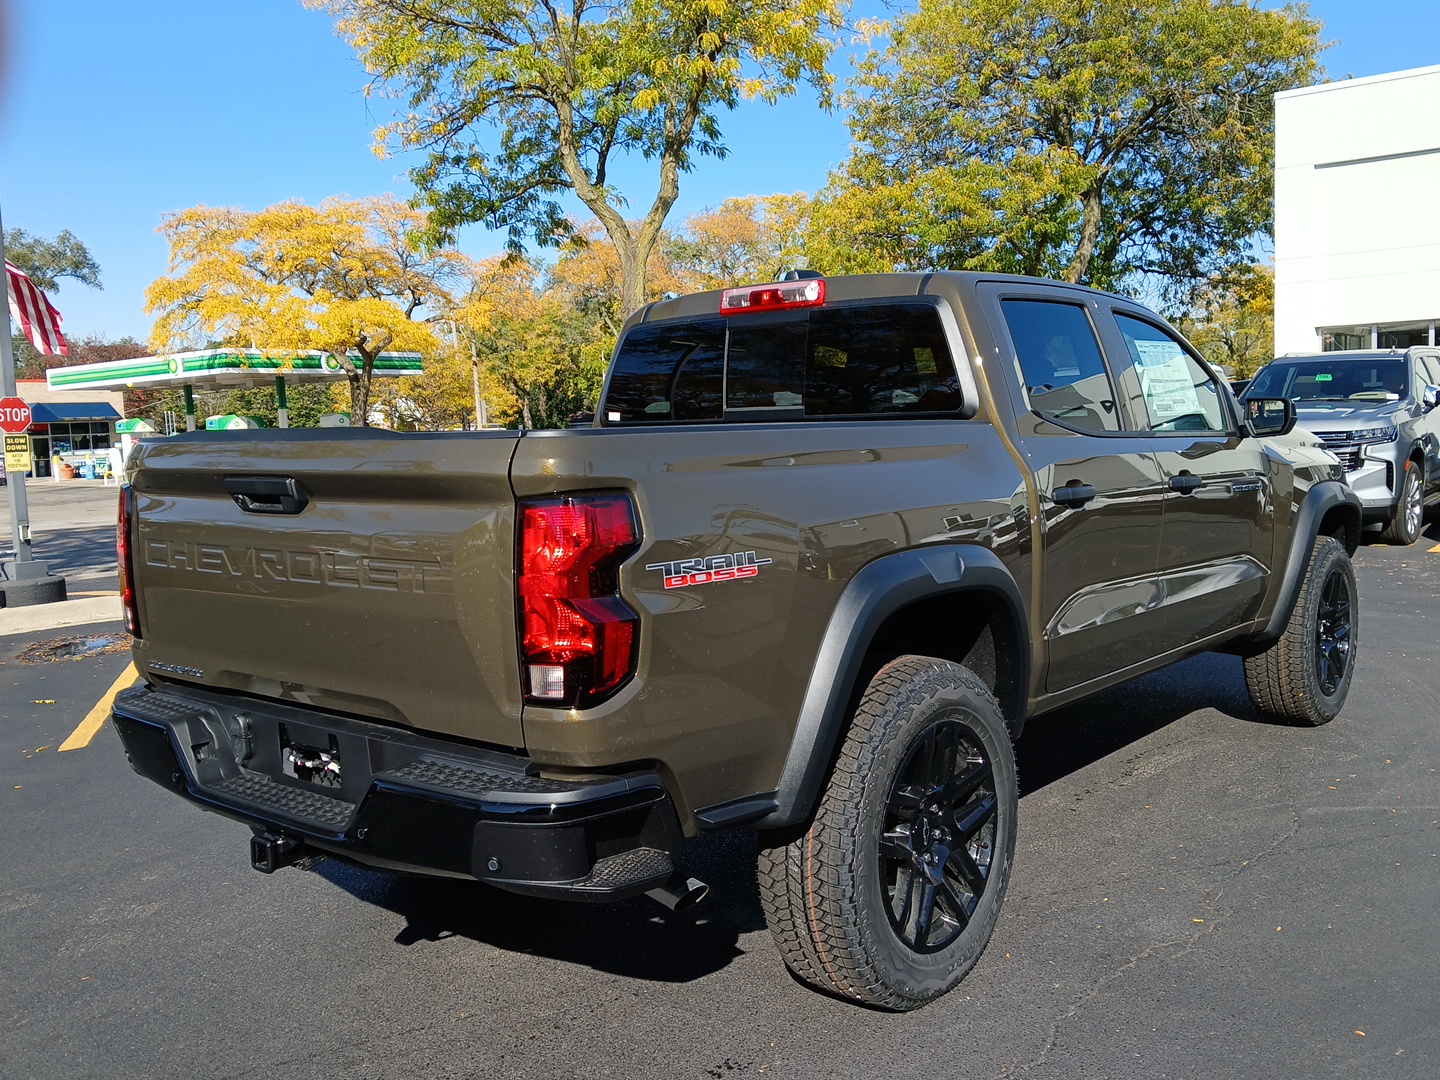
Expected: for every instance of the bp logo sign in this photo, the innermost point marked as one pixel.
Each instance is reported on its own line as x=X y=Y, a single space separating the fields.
x=174 y=366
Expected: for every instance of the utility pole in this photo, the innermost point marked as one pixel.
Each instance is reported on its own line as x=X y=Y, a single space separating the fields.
x=27 y=581
x=481 y=417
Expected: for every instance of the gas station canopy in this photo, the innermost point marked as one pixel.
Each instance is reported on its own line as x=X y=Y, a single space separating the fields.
x=222 y=369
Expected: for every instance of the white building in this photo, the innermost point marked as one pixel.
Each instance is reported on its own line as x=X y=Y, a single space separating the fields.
x=1357 y=213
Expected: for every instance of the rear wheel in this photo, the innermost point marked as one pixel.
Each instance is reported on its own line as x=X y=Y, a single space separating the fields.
x=1305 y=676
x=1404 y=527
x=890 y=895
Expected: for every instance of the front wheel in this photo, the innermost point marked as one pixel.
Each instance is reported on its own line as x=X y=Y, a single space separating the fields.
x=1305 y=676
x=890 y=895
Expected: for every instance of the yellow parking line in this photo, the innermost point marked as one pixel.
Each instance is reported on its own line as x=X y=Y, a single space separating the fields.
x=1436 y=548
x=97 y=716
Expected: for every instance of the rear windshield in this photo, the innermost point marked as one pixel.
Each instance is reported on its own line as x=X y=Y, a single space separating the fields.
x=867 y=360
x=1364 y=379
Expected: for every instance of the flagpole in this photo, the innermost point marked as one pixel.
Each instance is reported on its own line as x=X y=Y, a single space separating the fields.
x=30 y=581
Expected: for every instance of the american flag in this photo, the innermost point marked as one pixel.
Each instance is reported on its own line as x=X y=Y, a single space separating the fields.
x=32 y=309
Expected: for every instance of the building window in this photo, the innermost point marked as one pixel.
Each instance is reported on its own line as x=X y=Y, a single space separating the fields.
x=1336 y=339
x=1387 y=336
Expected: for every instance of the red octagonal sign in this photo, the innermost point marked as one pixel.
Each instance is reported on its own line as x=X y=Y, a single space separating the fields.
x=14 y=416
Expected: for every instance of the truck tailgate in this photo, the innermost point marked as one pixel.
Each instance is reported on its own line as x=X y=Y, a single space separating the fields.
x=384 y=590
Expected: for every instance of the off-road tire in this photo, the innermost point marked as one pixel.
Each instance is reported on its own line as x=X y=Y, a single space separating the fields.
x=831 y=889
x=1408 y=521
x=1304 y=677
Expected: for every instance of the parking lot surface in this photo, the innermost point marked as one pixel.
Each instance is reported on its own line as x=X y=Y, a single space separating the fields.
x=73 y=530
x=1196 y=894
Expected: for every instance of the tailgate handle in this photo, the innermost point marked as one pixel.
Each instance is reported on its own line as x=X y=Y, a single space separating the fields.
x=267 y=494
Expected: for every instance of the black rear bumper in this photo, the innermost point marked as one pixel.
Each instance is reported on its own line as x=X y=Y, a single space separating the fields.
x=402 y=801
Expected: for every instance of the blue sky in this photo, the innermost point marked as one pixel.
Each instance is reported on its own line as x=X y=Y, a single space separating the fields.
x=112 y=113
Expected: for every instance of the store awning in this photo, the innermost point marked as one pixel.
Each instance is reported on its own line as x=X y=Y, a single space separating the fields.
x=47 y=412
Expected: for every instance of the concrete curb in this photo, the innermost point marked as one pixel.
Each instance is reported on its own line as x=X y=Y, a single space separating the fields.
x=38 y=617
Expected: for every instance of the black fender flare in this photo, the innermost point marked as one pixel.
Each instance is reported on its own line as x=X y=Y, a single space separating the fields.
x=879 y=590
x=1322 y=498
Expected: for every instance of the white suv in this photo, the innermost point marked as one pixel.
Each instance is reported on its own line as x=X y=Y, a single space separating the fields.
x=1375 y=410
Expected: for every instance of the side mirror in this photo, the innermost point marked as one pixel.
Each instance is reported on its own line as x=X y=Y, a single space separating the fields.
x=1270 y=416
x=1431 y=397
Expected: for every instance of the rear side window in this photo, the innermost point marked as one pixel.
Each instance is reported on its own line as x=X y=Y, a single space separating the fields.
x=670 y=371
x=864 y=360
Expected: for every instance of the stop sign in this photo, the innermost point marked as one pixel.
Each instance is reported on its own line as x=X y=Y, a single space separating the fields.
x=14 y=415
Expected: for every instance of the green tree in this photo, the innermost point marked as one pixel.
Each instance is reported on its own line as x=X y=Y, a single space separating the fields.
x=1080 y=139
x=45 y=262
x=568 y=89
x=305 y=402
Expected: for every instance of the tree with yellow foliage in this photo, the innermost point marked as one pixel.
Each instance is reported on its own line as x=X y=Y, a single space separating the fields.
x=1232 y=319
x=542 y=354
x=748 y=239
x=343 y=277
x=568 y=89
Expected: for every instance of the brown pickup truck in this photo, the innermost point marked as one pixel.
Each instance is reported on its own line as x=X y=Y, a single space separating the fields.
x=826 y=547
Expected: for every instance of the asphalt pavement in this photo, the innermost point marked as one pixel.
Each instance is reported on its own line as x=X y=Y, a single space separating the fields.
x=1196 y=894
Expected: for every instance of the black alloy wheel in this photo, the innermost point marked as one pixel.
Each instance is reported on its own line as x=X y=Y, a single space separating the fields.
x=938 y=842
x=890 y=892
x=1332 y=632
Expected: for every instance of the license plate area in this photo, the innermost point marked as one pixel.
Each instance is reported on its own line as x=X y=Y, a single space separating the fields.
x=301 y=759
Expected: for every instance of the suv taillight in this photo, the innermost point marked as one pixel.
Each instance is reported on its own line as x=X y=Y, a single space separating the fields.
x=125 y=559
x=577 y=637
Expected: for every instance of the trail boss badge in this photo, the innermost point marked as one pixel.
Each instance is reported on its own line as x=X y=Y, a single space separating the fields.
x=743 y=564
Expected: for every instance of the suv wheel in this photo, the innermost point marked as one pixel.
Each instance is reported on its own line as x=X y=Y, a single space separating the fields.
x=1304 y=676
x=890 y=895
x=1409 y=519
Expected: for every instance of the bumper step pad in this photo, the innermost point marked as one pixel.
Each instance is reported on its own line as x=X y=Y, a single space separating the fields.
x=265 y=794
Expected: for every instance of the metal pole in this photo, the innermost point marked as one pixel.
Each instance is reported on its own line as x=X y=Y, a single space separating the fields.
x=282 y=405
x=189 y=407
x=25 y=567
x=481 y=419
x=19 y=507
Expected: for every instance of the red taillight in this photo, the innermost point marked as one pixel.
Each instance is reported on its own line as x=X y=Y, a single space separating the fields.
x=779 y=294
x=124 y=559
x=577 y=637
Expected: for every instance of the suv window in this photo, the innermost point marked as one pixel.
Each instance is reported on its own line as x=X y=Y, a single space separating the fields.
x=1358 y=378
x=1179 y=394
x=1064 y=372
x=862 y=360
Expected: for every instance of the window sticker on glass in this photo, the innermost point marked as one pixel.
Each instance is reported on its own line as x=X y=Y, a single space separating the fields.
x=1165 y=379
x=1324 y=376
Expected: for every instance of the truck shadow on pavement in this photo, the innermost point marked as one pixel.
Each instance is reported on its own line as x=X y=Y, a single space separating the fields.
x=636 y=938
x=1065 y=741
x=639 y=938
